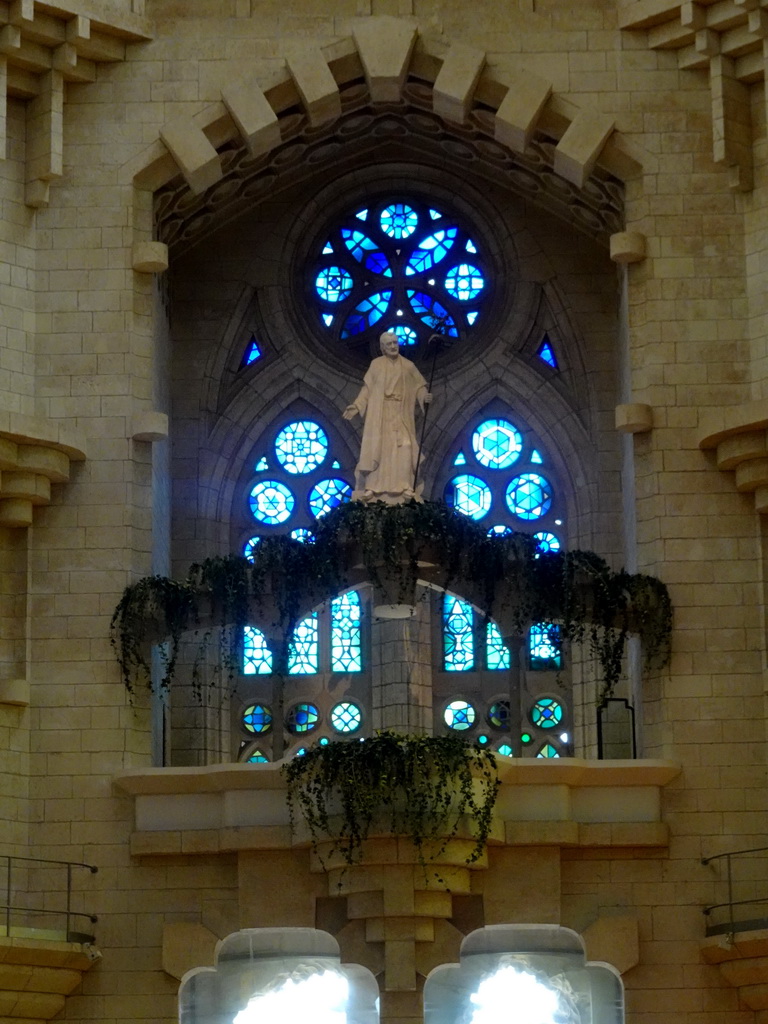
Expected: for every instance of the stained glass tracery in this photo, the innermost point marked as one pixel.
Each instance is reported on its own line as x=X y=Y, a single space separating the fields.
x=346 y=648
x=398 y=258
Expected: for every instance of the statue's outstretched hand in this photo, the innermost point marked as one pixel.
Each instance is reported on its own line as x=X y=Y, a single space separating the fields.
x=350 y=412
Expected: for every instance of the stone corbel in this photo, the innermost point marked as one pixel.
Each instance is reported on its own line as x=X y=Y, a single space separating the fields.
x=739 y=438
x=33 y=454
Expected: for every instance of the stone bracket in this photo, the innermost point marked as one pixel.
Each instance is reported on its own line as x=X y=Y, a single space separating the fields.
x=33 y=455
x=739 y=438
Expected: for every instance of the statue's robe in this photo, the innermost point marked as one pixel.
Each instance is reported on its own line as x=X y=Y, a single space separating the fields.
x=389 y=450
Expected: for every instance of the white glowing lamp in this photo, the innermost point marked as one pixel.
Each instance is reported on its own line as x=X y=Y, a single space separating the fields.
x=529 y=974
x=279 y=976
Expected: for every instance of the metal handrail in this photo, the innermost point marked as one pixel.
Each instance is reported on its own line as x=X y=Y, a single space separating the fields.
x=68 y=913
x=731 y=902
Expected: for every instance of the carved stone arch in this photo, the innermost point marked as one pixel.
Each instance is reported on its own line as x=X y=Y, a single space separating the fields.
x=387 y=61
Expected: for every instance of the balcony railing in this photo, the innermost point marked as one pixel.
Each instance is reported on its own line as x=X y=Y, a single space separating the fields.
x=746 y=878
x=18 y=918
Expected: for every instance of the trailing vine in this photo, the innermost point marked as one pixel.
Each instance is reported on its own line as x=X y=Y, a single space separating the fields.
x=394 y=546
x=423 y=787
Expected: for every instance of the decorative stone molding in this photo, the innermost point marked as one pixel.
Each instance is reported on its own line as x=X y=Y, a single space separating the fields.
x=43 y=46
x=740 y=438
x=727 y=39
x=634 y=418
x=33 y=454
x=395 y=61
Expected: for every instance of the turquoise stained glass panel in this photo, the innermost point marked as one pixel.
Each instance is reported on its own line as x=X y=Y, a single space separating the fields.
x=334 y=284
x=544 y=646
x=469 y=495
x=459 y=715
x=304 y=655
x=547 y=713
x=302 y=718
x=257 y=657
x=257 y=718
x=398 y=220
x=346 y=649
x=346 y=717
x=458 y=635
x=496 y=651
x=464 y=282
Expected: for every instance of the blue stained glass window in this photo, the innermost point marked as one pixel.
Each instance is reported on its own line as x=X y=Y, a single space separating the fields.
x=304 y=655
x=257 y=657
x=536 y=457
x=500 y=531
x=546 y=541
x=328 y=248
x=362 y=215
x=499 y=714
x=303 y=535
x=252 y=353
x=323 y=741
x=432 y=313
x=459 y=715
x=346 y=651
x=334 y=284
x=250 y=547
x=548 y=751
x=471 y=246
x=257 y=718
x=458 y=635
x=366 y=314
x=547 y=353
x=464 y=282
x=547 y=713
x=302 y=718
x=399 y=220
x=271 y=502
x=327 y=319
x=431 y=251
x=405 y=335
x=327 y=495
x=460 y=460
x=257 y=758
x=497 y=444
x=346 y=717
x=544 y=646
x=529 y=496
x=496 y=651
x=378 y=263
x=471 y=317
x=335 y=464
x=301 y=446
x=435 y=214
x=505 y=750
x=469 y=495
x=262 y=464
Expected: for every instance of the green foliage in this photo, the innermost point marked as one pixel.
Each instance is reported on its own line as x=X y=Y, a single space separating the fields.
x=393 y=546
x=422 y=787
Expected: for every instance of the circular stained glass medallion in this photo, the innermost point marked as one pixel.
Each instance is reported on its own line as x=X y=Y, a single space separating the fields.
x=547 y=713
x=459 y=715
x=469 y=495
x=257 y=718
x=327 y=495
x=529 y=496
x=302 y=718
x=301 y=446
x=346 y=717
x=271 y=502
x=497 y=444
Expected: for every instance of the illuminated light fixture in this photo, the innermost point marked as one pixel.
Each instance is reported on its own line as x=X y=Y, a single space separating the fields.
x=279 y=976
x=523 y=974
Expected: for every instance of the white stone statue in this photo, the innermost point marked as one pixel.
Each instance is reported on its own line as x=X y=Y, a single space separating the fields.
x=389 y=452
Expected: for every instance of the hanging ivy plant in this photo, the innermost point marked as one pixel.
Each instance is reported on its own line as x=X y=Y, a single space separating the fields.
x=423 y=787
x=394 y=546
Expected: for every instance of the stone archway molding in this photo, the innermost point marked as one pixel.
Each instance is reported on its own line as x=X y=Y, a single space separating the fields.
x=385 y=51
